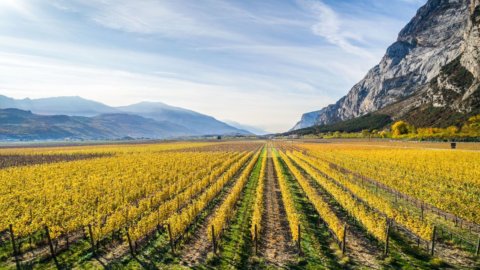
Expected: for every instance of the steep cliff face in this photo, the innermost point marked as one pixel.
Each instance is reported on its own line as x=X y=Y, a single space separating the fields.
x=432 y=39
x=454 y=94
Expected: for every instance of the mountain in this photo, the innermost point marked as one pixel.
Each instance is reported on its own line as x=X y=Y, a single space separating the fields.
x=75 y=106
x=200 y=124
x=180 y=121
x=17 y=124
x=433 y=63
x=454 y=94
x=251 y=129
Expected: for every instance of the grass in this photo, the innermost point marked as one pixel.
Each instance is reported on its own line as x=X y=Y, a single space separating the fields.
x=236 y=245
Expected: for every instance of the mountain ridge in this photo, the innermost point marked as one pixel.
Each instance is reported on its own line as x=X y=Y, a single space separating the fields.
x=166 y=121
x=435 y=37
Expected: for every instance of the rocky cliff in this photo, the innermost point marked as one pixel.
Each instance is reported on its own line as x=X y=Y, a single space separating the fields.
x=454 y=94
x=442 y=32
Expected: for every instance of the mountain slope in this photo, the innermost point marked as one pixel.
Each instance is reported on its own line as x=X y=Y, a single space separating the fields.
x=17 y=124
x=251 y=129
x=74 y=106
x=181 y=121
x=200 y=124
x=433 y=38
x=452 y=96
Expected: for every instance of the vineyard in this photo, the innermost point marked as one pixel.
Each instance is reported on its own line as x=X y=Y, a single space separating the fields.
x=240 y=205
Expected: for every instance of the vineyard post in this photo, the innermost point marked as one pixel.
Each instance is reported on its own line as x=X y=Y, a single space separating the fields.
x=387 y=240
x=14 y=246
x=214 y=244
x=477 y=251
x=299 y=240
x=433 y=240
x=172 y=244
x=344 y=240
x=421 y=209
x=256 y=240
x=68 y=241
x=132 y=251
x=52 y=250
x=92 y=242
x=158 y=219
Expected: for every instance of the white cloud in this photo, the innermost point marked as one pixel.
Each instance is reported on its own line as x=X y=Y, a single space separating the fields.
x=329 y=26
x=167 y=18
x=17 y=6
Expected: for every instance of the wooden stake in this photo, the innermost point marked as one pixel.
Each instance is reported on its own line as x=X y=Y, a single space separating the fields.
x=52 y=250
x=256 y=240
x=299 y=240
x=344 y=240
x=132 y=250
x=432 y=252
x=214 y=244
x=172 y=244
x=92 y=242
x=68 y=240
x=14 y=247
x=387 y=240
x=477 y=251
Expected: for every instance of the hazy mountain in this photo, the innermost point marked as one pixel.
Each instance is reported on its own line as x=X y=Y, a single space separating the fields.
x=200 y=124
x=252 y=129
x=75 y=106
x=173 y=120
x=433 y=64
x=24 y=125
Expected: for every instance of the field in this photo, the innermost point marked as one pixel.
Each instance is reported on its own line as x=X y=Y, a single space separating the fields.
x=241 y=205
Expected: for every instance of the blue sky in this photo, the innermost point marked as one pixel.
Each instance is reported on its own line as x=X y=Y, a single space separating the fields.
x=261 y=63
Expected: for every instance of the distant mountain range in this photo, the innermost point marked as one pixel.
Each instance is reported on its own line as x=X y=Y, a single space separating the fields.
x=429 y=77
x=252 y=129
x=60 y=118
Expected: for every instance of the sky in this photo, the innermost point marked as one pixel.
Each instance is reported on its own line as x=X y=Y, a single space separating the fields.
x=259 y=63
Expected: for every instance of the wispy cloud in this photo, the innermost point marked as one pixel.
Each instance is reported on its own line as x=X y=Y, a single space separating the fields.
x=20 y=7
x=330 y=26
x=166 y=18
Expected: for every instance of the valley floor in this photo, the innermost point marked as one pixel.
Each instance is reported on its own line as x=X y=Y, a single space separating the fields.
x=282 y=204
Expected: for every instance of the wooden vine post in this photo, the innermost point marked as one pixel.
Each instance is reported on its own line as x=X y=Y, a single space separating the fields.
x=299 y=243
x=50 y=244
x=434 y=232
x=132 y=250
x=14 y=246
x=344 y=240
x=256 y=240
x=92 y=242
x=477 y=251
x=172 y=244
x=387 y=239
x=214 y=243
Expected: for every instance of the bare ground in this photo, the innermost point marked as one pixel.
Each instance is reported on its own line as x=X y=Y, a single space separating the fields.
x=276 y=244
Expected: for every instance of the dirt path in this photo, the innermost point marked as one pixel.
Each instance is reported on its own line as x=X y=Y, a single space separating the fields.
x=276 y=243
x=360 y=250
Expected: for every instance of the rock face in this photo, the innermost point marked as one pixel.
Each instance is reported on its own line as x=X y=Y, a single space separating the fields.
x=436 y=36
x=454 y=94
